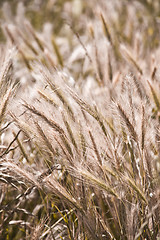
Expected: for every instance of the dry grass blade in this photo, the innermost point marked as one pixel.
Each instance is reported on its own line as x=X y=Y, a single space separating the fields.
x=135 y=172
x=54 y=125
x=82 y=140
x=68 y=156
x=148 y=162
x=66 y=144
x=127 y=122
x=59 y=93
x=131 y=103
x=131 y=59
x=110 y=71
x=92 y=180
x=48 y=98
x=95 y=148
x=58 y=189
x=4 y=103
x=140 y=88
x=50 y=122
x=5 y=68
x=143 y=129
x=10 y=35
x=27 y=42
x=153 y=74
x=110 y=171
x=106 y=29
x=82 y=44
x=100 y=76
x=45 y=139
x=37 y=39
x=155 y=98
x=16 y=170
x=28 y=130
x=89 y=109
x=25 y=155
x=135 y=188
x=84 y=105
x=25 y=60
x=6 y=126
x=68 y=127
x=8 y=148
x=56 y=49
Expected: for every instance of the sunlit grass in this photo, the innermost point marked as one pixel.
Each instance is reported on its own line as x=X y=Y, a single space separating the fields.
x=79 y=120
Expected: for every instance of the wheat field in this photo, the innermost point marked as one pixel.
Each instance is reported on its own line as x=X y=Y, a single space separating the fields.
x=80 y=120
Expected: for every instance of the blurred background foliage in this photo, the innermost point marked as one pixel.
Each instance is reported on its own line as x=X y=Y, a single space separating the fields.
x=53 y=11
x=57 y=12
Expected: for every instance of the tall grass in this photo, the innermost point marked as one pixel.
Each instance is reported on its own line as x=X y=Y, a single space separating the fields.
x=79 y=122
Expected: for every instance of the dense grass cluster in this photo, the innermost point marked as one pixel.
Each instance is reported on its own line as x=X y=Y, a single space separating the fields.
x=80 y=120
